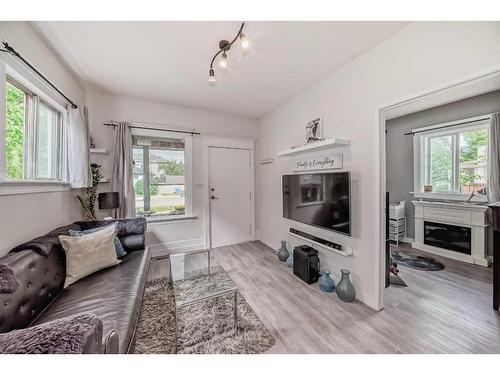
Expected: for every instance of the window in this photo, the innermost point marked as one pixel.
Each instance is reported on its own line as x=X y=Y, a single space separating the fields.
x=453 y=160
x=33 y=130
x=160 y=176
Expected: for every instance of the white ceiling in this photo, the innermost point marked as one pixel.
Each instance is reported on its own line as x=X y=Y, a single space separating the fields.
x=169 y=61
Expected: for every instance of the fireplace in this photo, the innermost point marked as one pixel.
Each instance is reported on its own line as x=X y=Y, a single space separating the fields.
x=447 y=236
x=454 y=230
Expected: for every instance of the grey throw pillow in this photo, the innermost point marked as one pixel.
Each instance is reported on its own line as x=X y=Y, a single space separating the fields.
x=120 y=251
x=62 y=336
x=88 y=254
x=8 y=282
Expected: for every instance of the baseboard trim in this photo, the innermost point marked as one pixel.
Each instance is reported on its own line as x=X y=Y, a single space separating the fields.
x=408 y=240
x=361 y=296
x=172 y=247
x=451 y=254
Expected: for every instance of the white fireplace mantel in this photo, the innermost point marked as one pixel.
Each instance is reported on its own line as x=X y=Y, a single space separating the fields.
x=467 y=215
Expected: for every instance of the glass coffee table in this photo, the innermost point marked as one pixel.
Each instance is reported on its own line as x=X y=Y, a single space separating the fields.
x=195 y=278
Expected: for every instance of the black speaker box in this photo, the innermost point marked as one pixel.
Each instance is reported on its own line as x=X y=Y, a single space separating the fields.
x=306 y=263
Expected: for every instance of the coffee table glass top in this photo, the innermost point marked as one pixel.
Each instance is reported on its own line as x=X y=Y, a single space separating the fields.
x=195 y=278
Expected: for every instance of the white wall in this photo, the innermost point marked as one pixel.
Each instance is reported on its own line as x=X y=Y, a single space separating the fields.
x=186 y=235
x=421 y=57
x=23 y=217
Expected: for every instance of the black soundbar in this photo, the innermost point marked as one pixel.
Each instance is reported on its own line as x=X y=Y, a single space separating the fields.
x=319 y=240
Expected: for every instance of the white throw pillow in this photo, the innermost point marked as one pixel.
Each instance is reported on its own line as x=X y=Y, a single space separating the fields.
x=88 y=254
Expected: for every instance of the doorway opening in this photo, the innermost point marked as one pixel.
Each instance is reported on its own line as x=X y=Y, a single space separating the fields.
x=414 y=224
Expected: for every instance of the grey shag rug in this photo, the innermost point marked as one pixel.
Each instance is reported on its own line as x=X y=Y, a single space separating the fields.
x=204 y=328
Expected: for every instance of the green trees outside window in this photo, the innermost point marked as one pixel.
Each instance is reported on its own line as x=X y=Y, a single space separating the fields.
x=457 y=161
x=15 y=100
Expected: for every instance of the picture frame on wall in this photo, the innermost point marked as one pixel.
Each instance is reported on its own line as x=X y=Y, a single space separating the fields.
x=314 y=130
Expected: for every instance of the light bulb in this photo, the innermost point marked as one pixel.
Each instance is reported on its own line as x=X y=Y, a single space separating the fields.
x=211 y=77
x=244 y=42
x=223 y=60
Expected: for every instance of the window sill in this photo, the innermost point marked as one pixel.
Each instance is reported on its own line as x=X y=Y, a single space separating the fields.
x=13 y=187
x=450 y=197
x=170 y=219
x=317 y=203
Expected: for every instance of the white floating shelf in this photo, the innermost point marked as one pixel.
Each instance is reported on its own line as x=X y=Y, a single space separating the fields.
x=315 y=146
x=101 y=151
x=346 y=251
x=104 y=180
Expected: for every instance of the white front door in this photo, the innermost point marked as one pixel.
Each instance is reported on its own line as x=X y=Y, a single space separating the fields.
x=230 y=196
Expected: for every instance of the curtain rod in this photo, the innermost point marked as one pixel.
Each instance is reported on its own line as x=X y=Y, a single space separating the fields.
x=449 y=126
x=163 y=130
x=12 y=51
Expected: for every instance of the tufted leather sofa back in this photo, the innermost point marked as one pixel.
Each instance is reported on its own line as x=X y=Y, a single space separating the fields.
x=40 y=280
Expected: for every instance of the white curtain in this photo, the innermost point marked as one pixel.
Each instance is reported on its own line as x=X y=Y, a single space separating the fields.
x=122 y=181
x=78 y=148
x=494 y=159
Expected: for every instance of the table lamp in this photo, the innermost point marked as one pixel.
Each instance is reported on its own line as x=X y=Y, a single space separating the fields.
x=108 y=201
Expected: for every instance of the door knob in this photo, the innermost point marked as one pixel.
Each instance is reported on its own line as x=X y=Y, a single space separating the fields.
x=212 y=189
x=213 y=197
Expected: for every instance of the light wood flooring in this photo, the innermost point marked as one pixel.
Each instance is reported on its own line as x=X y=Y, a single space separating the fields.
x=445 y=311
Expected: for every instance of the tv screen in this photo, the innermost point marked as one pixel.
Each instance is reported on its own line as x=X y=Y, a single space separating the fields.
x=319 y=199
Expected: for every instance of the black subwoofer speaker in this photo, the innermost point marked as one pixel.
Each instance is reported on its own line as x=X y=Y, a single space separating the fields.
x=306 y=263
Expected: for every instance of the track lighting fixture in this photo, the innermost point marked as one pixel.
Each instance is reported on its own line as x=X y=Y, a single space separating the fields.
x=244 y=41
x=211 y=77
x=225 y=46
x=223 y=60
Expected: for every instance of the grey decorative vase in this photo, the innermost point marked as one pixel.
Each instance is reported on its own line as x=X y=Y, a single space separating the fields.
x=345 y=290
x=283 y=253
x=326 y=284
x=289 y=261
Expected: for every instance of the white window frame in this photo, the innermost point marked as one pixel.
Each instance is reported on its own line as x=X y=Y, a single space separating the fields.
x=33 y=185
x=188 y=171
x=436 y=130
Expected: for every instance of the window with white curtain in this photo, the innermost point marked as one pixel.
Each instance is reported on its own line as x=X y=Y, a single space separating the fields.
x=33 y=136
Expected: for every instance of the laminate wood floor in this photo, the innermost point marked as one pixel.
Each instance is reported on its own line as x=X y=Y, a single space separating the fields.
x=445 y=311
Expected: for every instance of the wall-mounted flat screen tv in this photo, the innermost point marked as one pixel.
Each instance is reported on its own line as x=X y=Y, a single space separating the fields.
x=319 y=199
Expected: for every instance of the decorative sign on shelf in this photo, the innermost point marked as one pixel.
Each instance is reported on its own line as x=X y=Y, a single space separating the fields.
x=332 y=161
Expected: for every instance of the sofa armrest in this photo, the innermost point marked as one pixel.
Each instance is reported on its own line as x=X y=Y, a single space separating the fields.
x=112 y=343
x=77 y=334
x=131 y=232
x=133 y=242
x=93 y=339
x=126 y=227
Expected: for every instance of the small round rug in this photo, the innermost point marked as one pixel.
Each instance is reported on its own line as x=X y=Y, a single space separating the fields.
x=418 y=262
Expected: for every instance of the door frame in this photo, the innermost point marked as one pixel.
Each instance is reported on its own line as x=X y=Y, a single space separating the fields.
x=231 y=143
x=466 y=87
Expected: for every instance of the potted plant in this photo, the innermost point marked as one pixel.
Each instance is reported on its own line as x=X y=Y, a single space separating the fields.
x=88 y=203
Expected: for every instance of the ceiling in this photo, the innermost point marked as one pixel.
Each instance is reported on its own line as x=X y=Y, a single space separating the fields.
x=168 y=61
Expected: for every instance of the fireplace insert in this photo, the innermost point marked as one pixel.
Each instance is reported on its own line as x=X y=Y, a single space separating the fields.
x=446 y=236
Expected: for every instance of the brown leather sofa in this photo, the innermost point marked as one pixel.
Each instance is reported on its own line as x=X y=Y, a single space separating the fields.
x=114 y=294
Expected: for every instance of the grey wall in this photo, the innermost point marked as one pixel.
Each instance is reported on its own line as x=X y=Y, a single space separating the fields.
x=399 y=151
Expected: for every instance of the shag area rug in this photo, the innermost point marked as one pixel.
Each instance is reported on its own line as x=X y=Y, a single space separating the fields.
x=203 y=328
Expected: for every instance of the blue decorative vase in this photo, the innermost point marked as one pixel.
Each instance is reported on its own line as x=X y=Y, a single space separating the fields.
x=326 y=284
x=289 y=261
x=345 y=290
x=283 y=253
